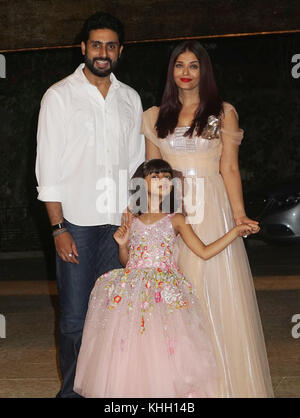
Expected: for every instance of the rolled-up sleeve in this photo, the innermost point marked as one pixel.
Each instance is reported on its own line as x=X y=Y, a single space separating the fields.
x=50 y=143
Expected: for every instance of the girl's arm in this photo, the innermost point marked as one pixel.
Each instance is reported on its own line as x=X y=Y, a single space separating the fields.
x=229 y=169
x=197 y=246
x=121 y=236
x=123 y=254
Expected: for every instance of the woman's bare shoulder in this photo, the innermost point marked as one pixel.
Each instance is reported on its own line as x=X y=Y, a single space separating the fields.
x=151 y=111
x=228 y=109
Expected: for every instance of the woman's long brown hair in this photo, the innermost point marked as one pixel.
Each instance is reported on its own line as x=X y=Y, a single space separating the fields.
x=210 y=101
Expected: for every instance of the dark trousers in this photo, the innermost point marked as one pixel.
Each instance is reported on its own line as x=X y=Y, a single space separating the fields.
x=98 y=253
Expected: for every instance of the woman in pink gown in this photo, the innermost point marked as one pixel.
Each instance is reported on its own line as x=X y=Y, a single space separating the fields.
x=199 y=136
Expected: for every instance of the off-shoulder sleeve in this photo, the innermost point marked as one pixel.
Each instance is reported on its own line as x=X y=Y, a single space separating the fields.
x=228 y=134
x=148 y=125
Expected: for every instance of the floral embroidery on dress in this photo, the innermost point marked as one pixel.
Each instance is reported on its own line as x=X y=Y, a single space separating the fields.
x=151 y=273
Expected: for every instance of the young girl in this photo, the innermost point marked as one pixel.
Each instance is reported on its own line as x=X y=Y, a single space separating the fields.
x=144 y=335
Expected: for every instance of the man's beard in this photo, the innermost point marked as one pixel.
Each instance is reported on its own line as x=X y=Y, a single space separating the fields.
x=98 y=71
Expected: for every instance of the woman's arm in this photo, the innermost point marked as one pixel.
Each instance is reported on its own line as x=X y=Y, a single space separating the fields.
x=152 y=151
x=229 y=168
x=197 y=246
x=148 y=129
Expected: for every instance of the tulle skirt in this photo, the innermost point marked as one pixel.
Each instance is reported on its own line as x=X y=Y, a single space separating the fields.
x=224 y=286
x=144 y=337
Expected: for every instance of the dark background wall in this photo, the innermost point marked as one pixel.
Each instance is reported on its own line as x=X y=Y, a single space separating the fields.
x=254 y=73
x=40 y=23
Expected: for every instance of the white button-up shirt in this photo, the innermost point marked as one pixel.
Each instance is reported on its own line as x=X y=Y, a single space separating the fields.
x=88 y=147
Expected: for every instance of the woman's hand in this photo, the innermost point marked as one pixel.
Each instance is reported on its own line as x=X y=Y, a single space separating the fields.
x=245 y=229
x=245 y=220
x=66 y=248
x=121 y=235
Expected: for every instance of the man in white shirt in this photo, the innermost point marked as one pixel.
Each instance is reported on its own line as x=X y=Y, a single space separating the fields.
x=88 y=146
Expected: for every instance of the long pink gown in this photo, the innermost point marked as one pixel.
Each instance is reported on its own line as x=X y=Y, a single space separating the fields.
x=223 y=284
x=144 y=334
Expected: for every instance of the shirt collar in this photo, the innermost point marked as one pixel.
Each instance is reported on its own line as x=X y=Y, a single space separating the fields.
x=115 y=83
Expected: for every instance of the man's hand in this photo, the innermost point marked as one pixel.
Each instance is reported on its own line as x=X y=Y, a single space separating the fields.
x=66 y=248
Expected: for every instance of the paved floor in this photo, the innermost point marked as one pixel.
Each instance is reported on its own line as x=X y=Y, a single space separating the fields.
x=29 y=305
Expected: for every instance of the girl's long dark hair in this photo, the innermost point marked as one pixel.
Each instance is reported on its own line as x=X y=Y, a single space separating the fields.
x=210 y=101
x=156 y=165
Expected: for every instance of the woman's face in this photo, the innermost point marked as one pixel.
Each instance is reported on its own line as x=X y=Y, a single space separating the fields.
x=187 y=71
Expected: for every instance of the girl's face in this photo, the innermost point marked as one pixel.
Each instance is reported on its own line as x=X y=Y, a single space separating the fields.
x=159 y=184
x=187 y=71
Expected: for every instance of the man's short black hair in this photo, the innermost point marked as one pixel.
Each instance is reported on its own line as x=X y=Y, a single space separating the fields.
x=101 y=20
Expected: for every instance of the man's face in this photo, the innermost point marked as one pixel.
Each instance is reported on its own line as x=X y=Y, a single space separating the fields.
x=101 y=52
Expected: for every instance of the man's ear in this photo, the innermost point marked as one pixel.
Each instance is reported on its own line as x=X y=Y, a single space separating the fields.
x=120 y=51
x=83 y=47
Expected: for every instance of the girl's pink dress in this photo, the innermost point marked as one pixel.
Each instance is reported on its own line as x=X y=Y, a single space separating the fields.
x=144 y=334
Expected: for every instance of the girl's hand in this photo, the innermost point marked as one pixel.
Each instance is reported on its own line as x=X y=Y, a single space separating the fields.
x=121 y=235
x=244 y=230
x=245 y=220
x=126 y=217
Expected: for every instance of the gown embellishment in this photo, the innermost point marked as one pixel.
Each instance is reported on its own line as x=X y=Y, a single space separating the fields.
x=212 y=128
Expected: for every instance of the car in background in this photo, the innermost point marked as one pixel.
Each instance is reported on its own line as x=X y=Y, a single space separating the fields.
x=277 y=209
